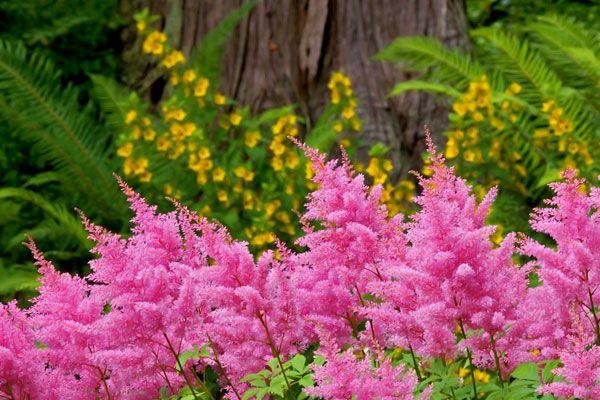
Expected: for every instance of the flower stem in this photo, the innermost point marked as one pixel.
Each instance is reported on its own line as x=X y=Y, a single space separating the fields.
x=103 y=379
x=496 y=359
x=185 y=377
x=464 y=334
x=212 y=346
x=416 y=365
x=274 y=349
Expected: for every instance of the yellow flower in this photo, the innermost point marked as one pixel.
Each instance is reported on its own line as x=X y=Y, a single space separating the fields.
x=292 y=160
x=459 y=108
x=251 y=138
x=277 y=147
x=173 y=58
x=462 y=372
x=283 y=216
x=149 y=134
x=548 y=106
x=373 y=168
x=130 y=116
x=218 y=174
x=177 y=114
x=146 y=121
x=356 y=124
x=451 y=148
x=189 y=75
x=348 y=113
x=154 y=43
x=141 y=26
x=478 y=116
x=469 y=156
x=201 y=87
x=125 y=150
x=163 y=144
x=338 y=127
x=245 y=174
x=535 y=352
x=220 y=99
x=272 y=206
x=387 y=165
x=201 y=178
x=515 y=87
x=481 y=376
x=174 y=79
x=178 y=150
x=521 y=169
x=235 y=118
x=204 y=153
x=573 y=148
x=277 y=164
x=146 y=176
x=222 y=196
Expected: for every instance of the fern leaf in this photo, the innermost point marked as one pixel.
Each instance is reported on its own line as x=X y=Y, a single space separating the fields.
x=70 y=226
x=112 y=99
x=450 y=67
x=424 y=86
x=210 y=51
x=34 y=104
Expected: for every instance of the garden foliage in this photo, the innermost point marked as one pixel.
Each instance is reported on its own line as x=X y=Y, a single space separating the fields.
x=524 y=104
x=373 y=306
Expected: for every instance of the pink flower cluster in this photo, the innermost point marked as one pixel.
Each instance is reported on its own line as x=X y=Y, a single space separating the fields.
x=434 y=283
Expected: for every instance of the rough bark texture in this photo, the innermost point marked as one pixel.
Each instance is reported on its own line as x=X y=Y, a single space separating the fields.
x=285 y=50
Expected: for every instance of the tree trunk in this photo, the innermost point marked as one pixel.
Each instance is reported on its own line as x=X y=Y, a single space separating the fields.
x=285 y=51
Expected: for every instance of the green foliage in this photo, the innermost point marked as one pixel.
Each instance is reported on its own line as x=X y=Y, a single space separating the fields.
x=525 y=104
x=281 y=380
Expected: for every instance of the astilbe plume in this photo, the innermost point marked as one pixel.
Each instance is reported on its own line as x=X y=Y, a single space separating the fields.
x=344 y=376
x=452 y=278
x=20 y=371
x=344 y=255
x=253 y=308
x=570 y=275
x=580 y=367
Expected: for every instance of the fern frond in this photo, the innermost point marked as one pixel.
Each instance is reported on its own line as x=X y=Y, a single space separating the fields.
x=419 y=53
x=36 y=106
x=70 y=226
x=210 y=50
x=424 y=86
x=573 y=51
x=516 y=60
x=15 y=278
x=112 y=99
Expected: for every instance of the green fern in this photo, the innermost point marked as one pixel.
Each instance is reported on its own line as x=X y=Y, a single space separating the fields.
x=209 y=54
x=62 y=226
x=424 y=86
x=17 y=278
x=418 y=53
x=34 y=103
x=112 y=99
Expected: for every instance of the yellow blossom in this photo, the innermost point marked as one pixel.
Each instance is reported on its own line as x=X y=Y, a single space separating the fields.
x=201 y=87
x=173 y=58
x=154 y=43
x=189 y=75
x=272 y=206
x=451 y=148
x=222 y=196
x=201 y=178
x=235 y=118
x=348 y=113
x=218 y=174
x=176 y=114
x=219 y=99
x=163 y=144
x=338 y=127
x=149 y=134
x=130 y=116
x=146 y=176
x=292 y=160
x=459 y=108
x=141 y=26
x=251 y=138
x=277 y=164
x=125 y=150
x=515 y=87
x=204 y=152
x=277 y=147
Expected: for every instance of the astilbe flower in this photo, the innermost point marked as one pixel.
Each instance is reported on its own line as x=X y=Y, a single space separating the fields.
x=345 y=377
x=342 y=257
x=63 y=318
x=452 y=277
x=580 y=367
x=20 y=371
x=570 y=272
x=253 y=307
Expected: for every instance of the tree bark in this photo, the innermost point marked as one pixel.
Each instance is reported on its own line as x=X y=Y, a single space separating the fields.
x=285 y=50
